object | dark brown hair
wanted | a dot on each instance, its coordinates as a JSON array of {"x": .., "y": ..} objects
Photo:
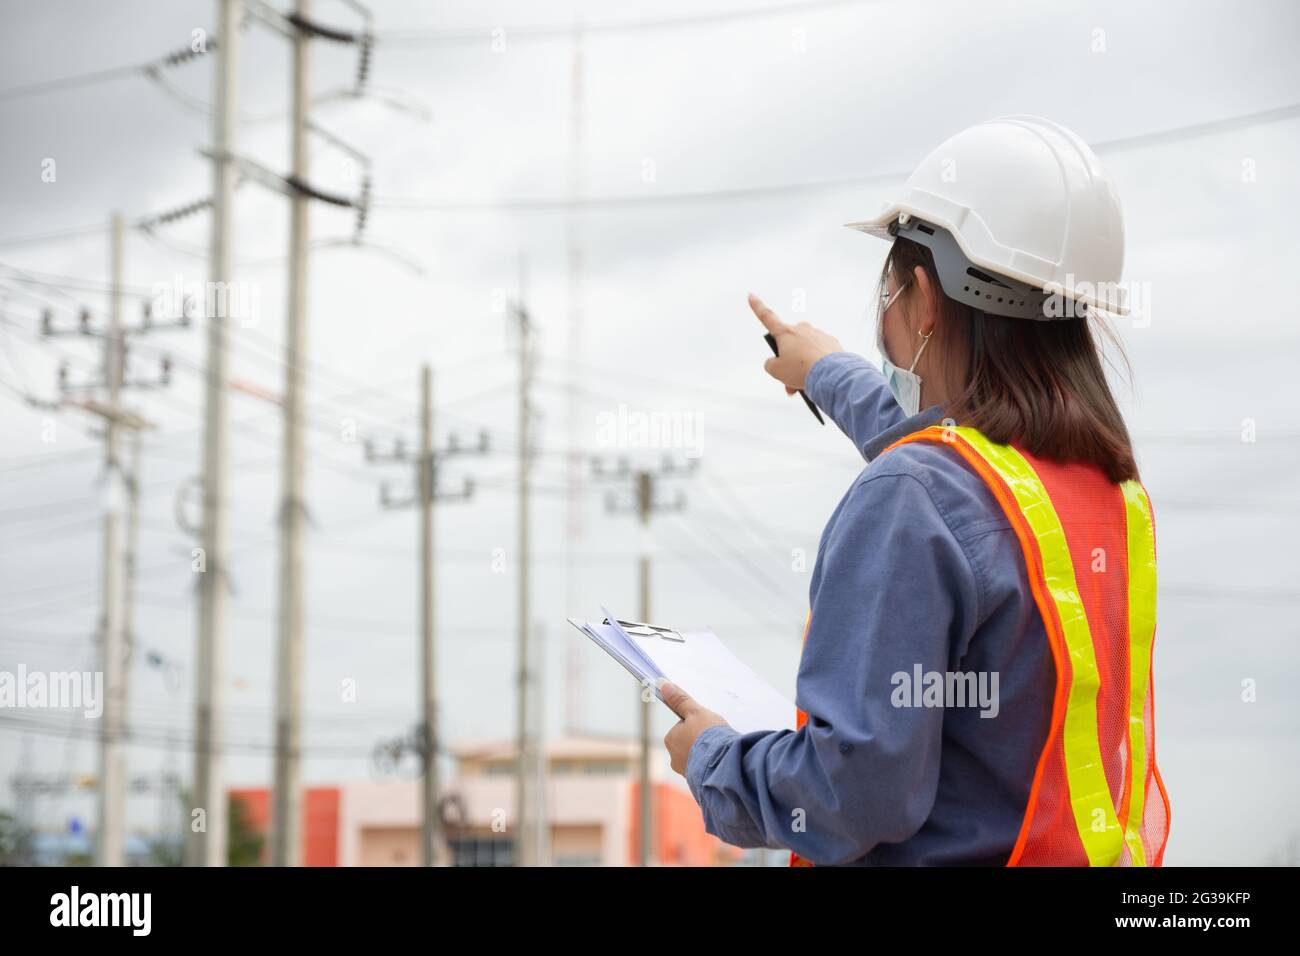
[{"x": 1038, "y": 384}]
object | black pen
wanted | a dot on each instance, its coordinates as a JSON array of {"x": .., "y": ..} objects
[{"x": 771, "y": 341}]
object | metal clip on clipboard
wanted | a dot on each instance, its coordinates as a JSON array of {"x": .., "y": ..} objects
[
  {"x": 696, "y": 661},
  {"x": 649, "y": 630}
]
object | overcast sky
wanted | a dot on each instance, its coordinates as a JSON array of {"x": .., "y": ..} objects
[{"x": 684, "y": 132}]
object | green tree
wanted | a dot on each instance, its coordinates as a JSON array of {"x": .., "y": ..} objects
[
  {"x": 245, "y": 844},
  {"x": 243, "y": 847},
  {"x": 15, "y": 841}
]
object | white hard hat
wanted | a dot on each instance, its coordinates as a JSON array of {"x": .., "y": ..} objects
[{"x": 1024, "y": 199}]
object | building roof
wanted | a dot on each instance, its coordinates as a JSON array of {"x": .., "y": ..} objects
[{"x": 581, "y": 747}]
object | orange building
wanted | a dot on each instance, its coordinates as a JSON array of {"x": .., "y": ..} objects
[
  {"x": 320, "y": 825},
  {"x": 589, "y": 798}
]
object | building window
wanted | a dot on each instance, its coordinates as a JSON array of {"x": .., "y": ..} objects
[{"x": 482, "y": 851}]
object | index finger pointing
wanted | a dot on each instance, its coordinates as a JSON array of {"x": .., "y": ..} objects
[{"x": 771, "y": 321}]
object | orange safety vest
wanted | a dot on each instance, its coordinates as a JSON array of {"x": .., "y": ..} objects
[{"x": 1089, "y": 547}]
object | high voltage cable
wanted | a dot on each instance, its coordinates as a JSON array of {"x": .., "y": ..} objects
[
  {"x": 56, "y": 235},
  {"x": 63, "y": 283},
  {"x": 396, "y": 423},
  {"x": 741, "y": 193},
  {"x": 144, "y": 224},
  {"x": 605, "y": 399},
  {"x": 73, "y": 82},
  {"x": 91, "y": 590},
  {"x": 88, "y": 590},
  {"x": 146, "y": 69},
  {"x": 190, "y": 365},
  {"x": 164, "y": 738},
  {"x": 433, "y": 37},
  {"x": 149, "y": 68}
]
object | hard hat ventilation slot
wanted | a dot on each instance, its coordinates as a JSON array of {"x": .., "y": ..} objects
[
  {"x": 970, "y": 284},
  {"x": 985, "y": 277},
  {"x": 1007, "y": 297}
]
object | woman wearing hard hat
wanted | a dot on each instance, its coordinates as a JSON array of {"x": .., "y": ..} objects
[{"x": 975, "y": 685}]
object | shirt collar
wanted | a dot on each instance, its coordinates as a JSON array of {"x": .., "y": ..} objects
[{"x": 933, "y": 415}]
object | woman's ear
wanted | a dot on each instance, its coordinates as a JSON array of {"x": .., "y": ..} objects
[{"x": 928, "y": 298}]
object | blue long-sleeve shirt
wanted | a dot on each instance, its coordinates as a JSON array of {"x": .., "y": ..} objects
[{"x": 918, "y": 571}]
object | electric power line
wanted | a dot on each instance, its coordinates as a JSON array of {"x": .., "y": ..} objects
[
  {"x": 438, "y": 37},
  {"x": 147, "y": 69},
  {"x": 746, "y": 193}
]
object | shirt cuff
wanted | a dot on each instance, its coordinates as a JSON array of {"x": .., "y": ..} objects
[
  {"x": 827, "y": 373},
  {"x": 705, "y": 753}
]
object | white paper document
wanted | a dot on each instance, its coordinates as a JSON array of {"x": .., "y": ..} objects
[{"x": 697, "y": 662}]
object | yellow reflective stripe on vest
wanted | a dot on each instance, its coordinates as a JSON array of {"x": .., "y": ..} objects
[
  {"x": 1141, "y": 630},
  {"x": 1090, "y": 799}
]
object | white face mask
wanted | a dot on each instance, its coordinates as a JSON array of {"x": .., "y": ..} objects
[{"x": 905, "y": 385}]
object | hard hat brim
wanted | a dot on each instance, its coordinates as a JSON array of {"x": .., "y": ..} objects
[{"x": 879, "y": 227}]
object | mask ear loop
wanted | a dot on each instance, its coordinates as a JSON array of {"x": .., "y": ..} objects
[
  {"x": 880, "y": 315},
  {"x": 925, "y": 340}
]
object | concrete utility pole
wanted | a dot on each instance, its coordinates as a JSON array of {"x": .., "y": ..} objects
[
  {"x": 644, "y": 502},
  {"x": 525, "y": 844},
  {"x": 645, "y": 505},
  {"x": 112, "y": 773},
  {"x": 207, "y": 845},
  {"x": 427, "y": 495},
  {"x": 541, "y": 832},
  {"x": 132, "y": 556},
  {"x": 120, "y": 518},
  {"x": 575, "y": 492},
  {"x": 428, "y": 670},
  {"x": 129, "y": 567},
  {"x": 286, "y": 819}
]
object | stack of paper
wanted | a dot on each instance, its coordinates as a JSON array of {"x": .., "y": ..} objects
[{"x": 697, "y": 662}]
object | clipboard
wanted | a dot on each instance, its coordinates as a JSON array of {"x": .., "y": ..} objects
[{"x": 696, "y": 660}]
